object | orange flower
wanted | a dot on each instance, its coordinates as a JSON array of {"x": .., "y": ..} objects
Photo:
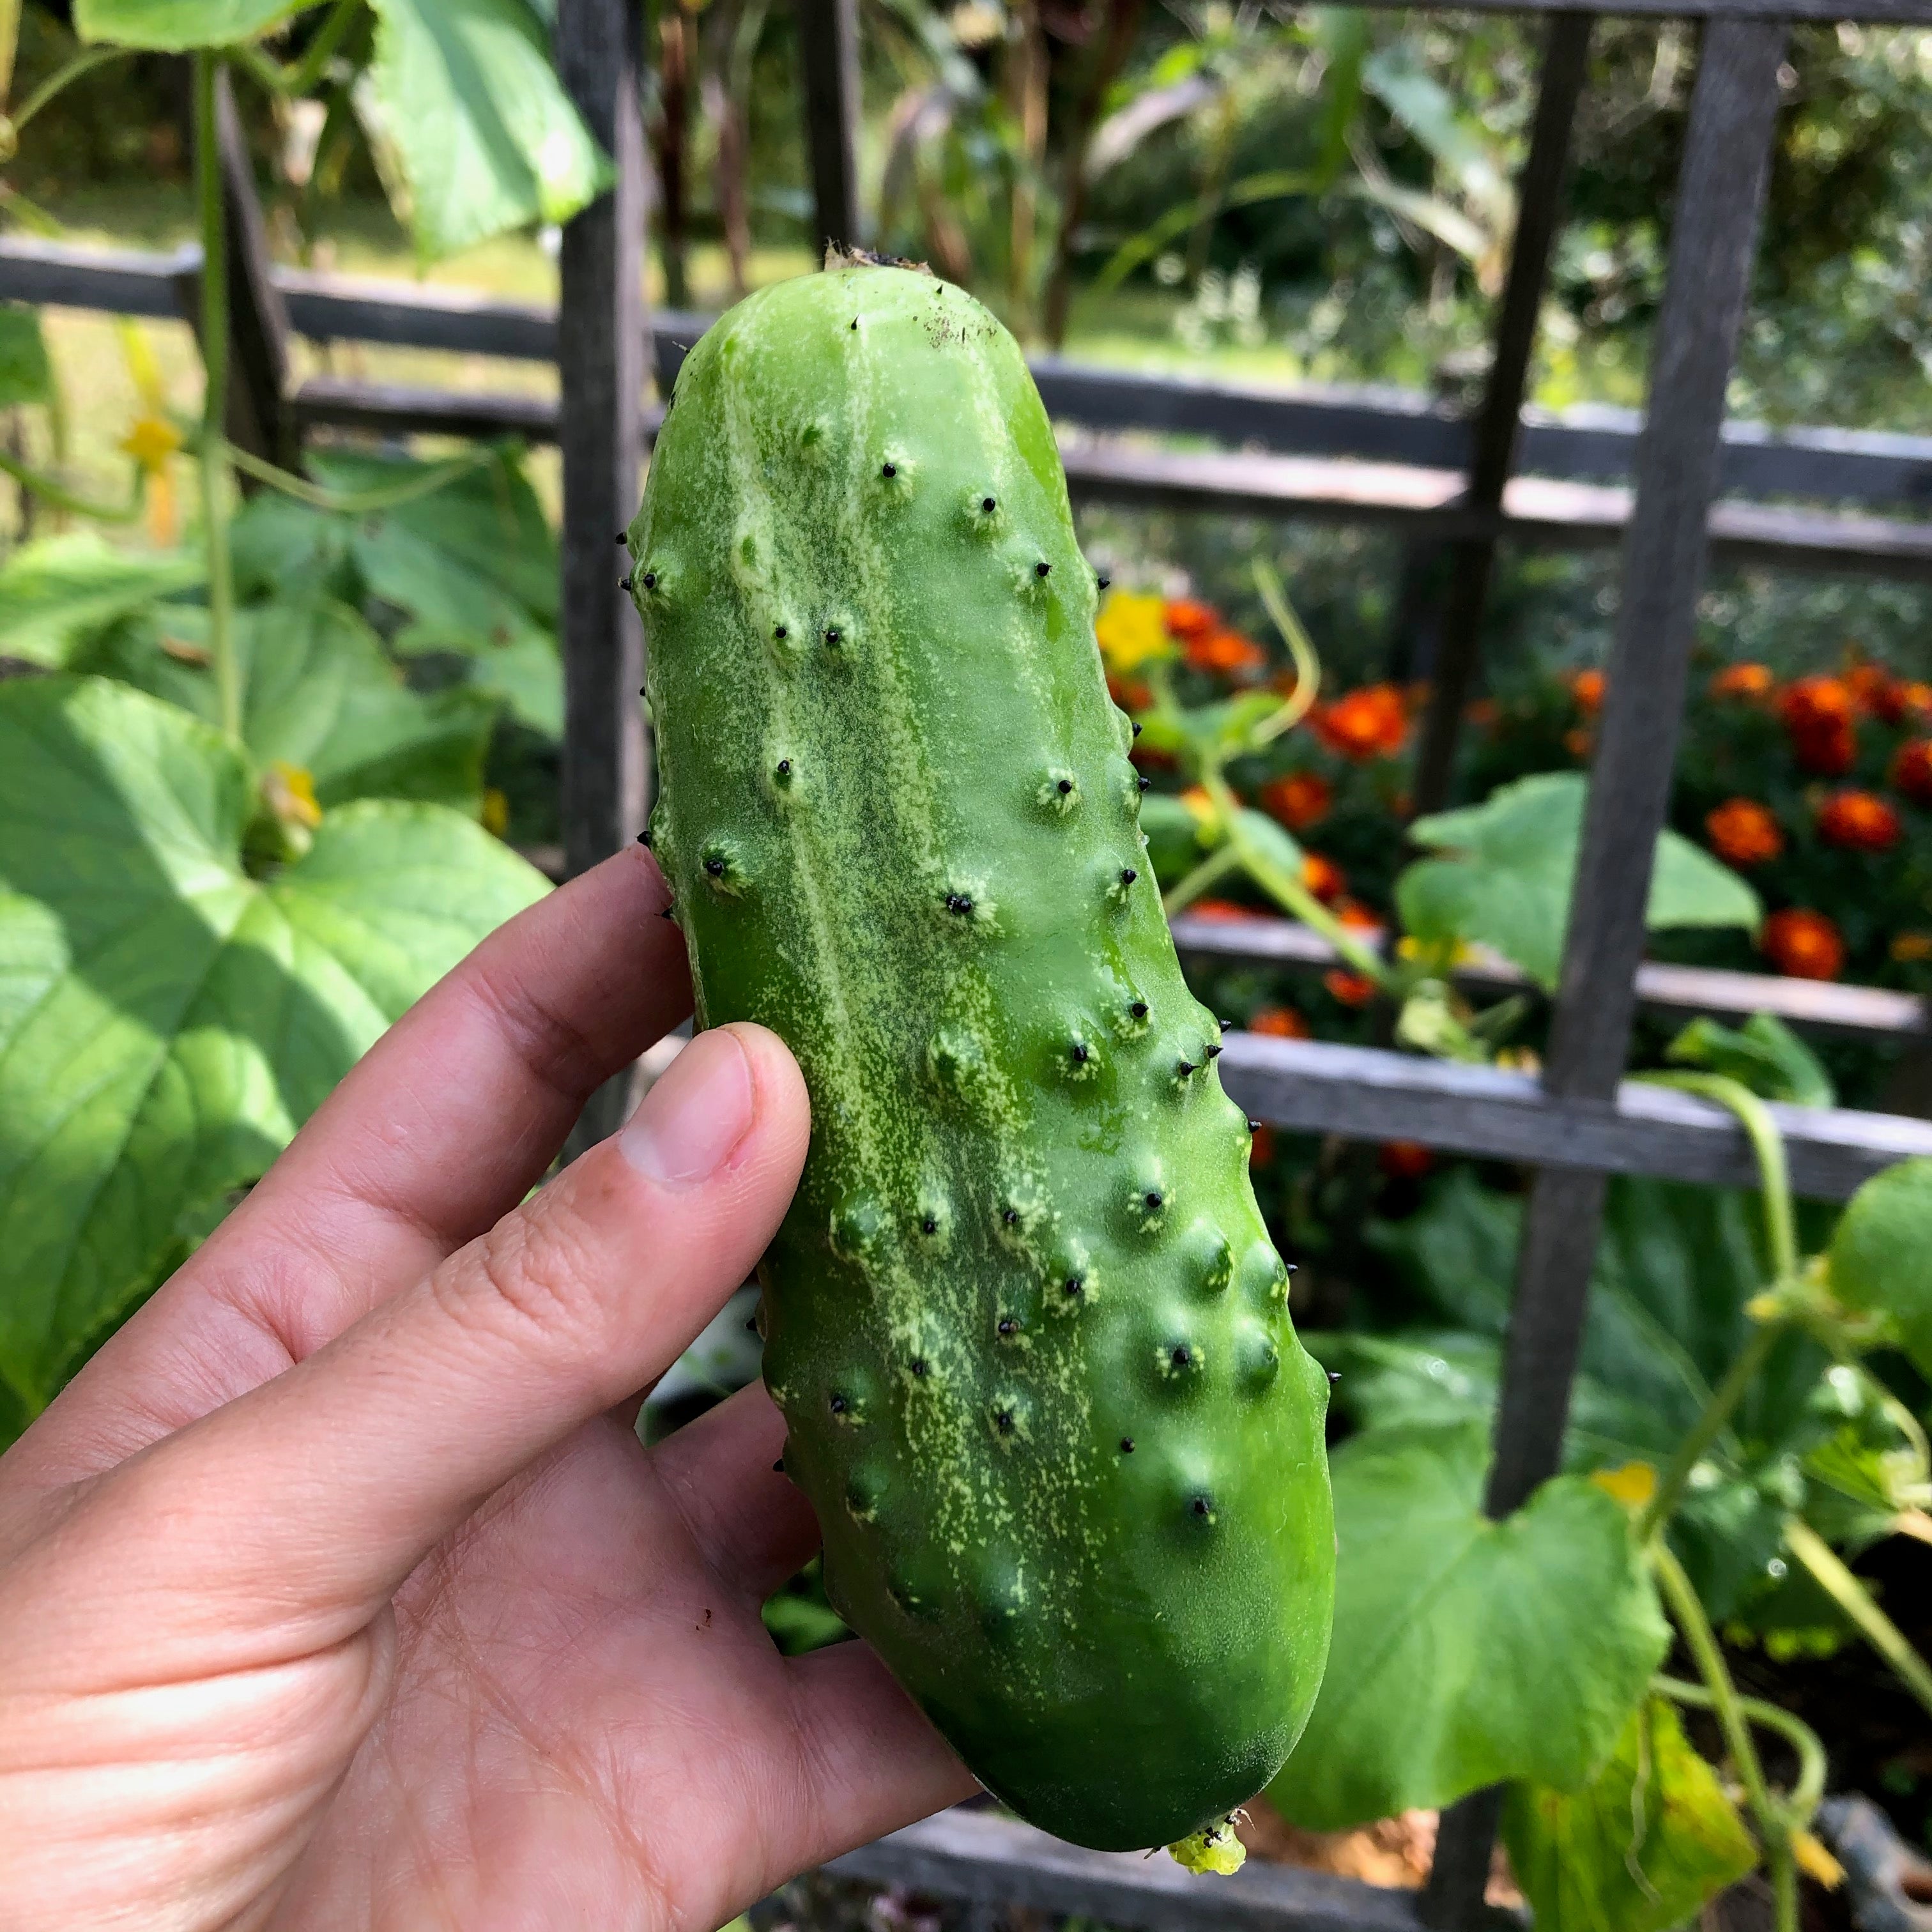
[
  {"x": 1223, "y": 909},
  {"x": 1743, "y": 832},
  {"x": 1225, "y": 652},
  {"x": 1911, "y": 770},
  {"x": 1875, "y": 689},
  {"x": 1188, "y": 620},
  {"x": 1299, "y": 800},
  {"x": 1803, "y": 945},
  {"x": 1323, "y": 878},
  {"x": 1819, "y": 715},
  {"x": 1405, "y": 1160},
  {"x": 1577, "y": 742},
  {"x": 1371, "y": 723},
  {"x": 1586, "y": 687},
  {"x": 1918, "y": 701},
  {"x": 1278, "y": 1023},
  {"x": 1130, "y": 694},
  {"x": 1353, "y": 913},
  {"x": 1352, "y": 989},
  {"x": 1743, "y": 680},
  {"x": 1261, "y": 1147},
  {"x": 1861, "y": 821}
]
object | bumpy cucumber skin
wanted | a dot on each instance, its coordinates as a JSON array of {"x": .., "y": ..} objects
[{"x": 899, "y": 818}]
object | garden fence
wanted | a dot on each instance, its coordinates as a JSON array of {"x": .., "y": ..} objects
[{"x": 1672, "y": 491}]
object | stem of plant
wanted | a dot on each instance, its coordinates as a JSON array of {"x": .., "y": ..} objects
[
  {"x": 1852, "y": 1596},
  {"x": 1724, "y": 1399},
  {"x": 1773, "y": 1824},
  {"x": 215, "y": 476},
  {"x": 1210, "y": 871},
  {"x": 1802, "y": 1800}
]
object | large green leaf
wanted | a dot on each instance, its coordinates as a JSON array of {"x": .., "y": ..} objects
[
  {"x": 317, "y": 693},
  {"x": 55, "y": 593},
  {"x": 175, "y": 26},
  {"x": 1881, "y": 1257},
  {"x": 1676, "y": 1266},
  {"x": 167, "y": 1021},
  {"x": 1467, "y": 1650},
  {"x": 1764, "y": 1053},
  {"x": 1641, "y": 1848},
  {"x": 1506, "y": 879},
  {"x": 25, "y": 374},
  {"x": 486, "y": 138}
]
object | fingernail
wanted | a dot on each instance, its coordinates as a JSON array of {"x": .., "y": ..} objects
[{"x": 701, "y": 1108}]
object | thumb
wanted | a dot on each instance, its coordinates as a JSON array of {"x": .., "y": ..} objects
[{"x": 321, "y": 1490}]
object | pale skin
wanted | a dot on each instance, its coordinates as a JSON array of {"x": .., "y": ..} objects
[{"x": 337, "y": 1591}]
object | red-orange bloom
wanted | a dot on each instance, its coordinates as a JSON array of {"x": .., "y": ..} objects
[
  {"x": 1299, "y": 800},
  {"x": 1744, "y": 832},
  {"x": 1188, "y": 620},
  {"x": 1875, "y": 689},
  {"x": 1911, "y": 770},
  {"x": 1371, "y": 723},
  {"x": 1352, "y": 989},
  {"x": 1586, "y": 687},
  {"x": 1278, "y": 1023},
  {"x": 1743, "y": 680},
  {"x": 1353, "y": 913},
  {"x": 1261, "y": 1147},
  {"x": 1130, "y": 694},
  {"x": 1803, "y": 945},
  {"x": 1917, "y": 700},
  {"x": 1817, "y": 704},
  {"x": 1217, "y": 909},
  {"x": 1225, "y": 652},
  {"x": 1323, "y": 878},
  {"x": 1861, "y": 821},
  {"x": 1405, "y": 1160}
]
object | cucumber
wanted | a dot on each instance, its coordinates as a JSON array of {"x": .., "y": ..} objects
[{"x": 1024, "y": 1321}]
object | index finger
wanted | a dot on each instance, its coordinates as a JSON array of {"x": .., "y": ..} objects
[{"x": 436, "y": 1133}]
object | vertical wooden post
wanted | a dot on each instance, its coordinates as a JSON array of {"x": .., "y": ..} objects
[
  {"x": 828, "y": 36},
  {"x": 1713, "y": 240},
  {"x": 602, "y": 330},
  {"x": 1539, "y": 198}
]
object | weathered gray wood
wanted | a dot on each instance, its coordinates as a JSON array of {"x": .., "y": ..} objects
[
  {"x": 1818, "y": 1006},
  {"x": 1593, "y": 441},
  {"x": 1365, "y": 1094},
  {"x": 1714, "y": 236},
  {"x": 601, "y": 334},
  {"x": 399, "y": 409},
  {"x": 828, "y": 38},
  {"x": 984, "y": 1859},
  {"x": 1540, "y": 200}
]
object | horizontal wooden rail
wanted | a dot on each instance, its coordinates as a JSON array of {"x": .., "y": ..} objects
[
  {"x": 1816, "y": 1005},
  {"x": 1372, "y": 424},
  {"x": 987, "y": 1860},
  {"x": 1364, "y": 1093}
]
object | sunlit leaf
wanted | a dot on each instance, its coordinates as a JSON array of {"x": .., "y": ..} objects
[
  {"x": 25, "y": 374},
  {"x": 1467, "y": 1650},
  {"x": 1764, "y": 1055},
  {"x": 56, "y": 592},
  {"x": 178, "y": 26},
  {"x": 1881, "y": 1257}
]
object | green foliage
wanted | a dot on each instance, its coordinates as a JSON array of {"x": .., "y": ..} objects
[
  {"x": 167, "y": 1020},
  {"x": 178, "y": 26},
  {"x": 1881, "y": 1256},
  {"x": 25, "y": 375},
  {"x": 1467, "y": 1650},
  {"x": 1764, "y": 1055},
  {"x": 1506, "y": 879},
  {"x": 58, "y": 591},
  {"x": 483, "y": 135},
  {"x": 1641, "y": 1848},
  {"x": 317, "y": 694}
]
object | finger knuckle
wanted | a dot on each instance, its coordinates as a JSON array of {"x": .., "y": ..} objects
[{"x": 531, "y": 1276}]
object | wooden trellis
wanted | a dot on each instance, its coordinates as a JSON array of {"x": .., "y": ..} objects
[{"x": 1671, "y": 492}]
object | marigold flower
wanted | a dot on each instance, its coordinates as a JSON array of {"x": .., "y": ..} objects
[
  {"x": 1878, "y": 691},
  {"x": 1586, "y": 687},
  {"x": 1918, "y": 697},
  {"x": 1744, "y": 832},
  {"x": 1829, "y": 753},
  {"x": 1278, "y": 1023},
  {"x": 1405, "y": 1160},
  {"x": 1323, "y": 878},
  {"x": 1353, "y": 913},
  {"x": 1577, "y": 742},
  {"x": 1223, "y": 910},
  {"x": 1299, "y": 800},
  {"x": 1743, "y": 680},
  {"x": 1188, "y": 620},
  {"x": 1861, "y": 821},
  {"x": 1129, "y": 693},
  {"x": 1816, "y": 704},
  {"x": 1371, "y": 723},
  {"x": 1261, "y": 1147},
  {"x": 1132, "y": 631},
  {"x": 1911, "y": 770},
  {"x": 1225, "y": 652},
  {"x": 1352, "y": 989},
  {"x": 1803, "y": 944}
]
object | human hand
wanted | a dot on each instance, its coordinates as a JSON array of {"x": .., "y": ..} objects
[{"x": 338, "y": 1589}]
